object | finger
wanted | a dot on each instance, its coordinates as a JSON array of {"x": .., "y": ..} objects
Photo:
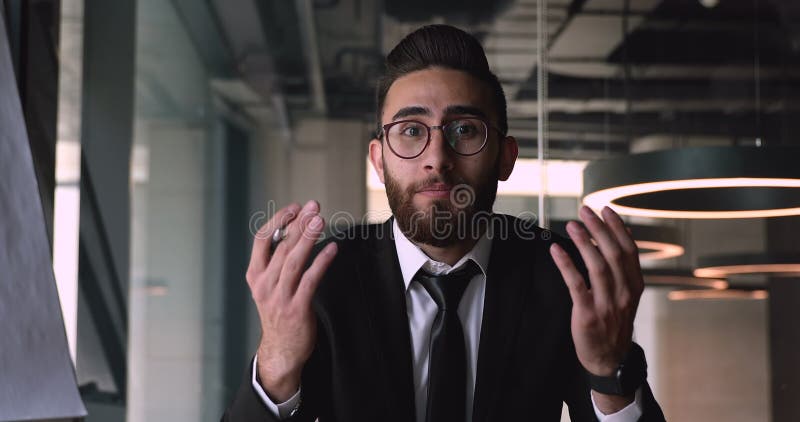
[
  {"x": 618, "y": 229},
  {"x": 572, "y": 277},
  {"x": 599, "y": 272},
  {"x": 298, "y": 256},
  {"x": 315, "y": 273},
  {"x": 293, "y": 233},
  {"x": 259, "y": 257},
  {"x": 612, "y": 251},
  {"x": 628, "y": 245}
]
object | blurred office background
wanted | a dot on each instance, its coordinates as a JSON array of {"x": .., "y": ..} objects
[{"x": 165, "y": 131}]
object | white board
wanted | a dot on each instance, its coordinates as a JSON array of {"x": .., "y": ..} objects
[{"x": 37, "y": 379}]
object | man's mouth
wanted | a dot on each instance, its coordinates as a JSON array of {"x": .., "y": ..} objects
[{"x": 436, "y": 190}]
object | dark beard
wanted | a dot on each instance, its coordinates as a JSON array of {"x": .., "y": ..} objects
[{"x": 463, "y": 215}]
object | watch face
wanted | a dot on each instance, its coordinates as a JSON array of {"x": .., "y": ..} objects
[
  {"x": 633, "y": 372},
  {"x": 630, "y": 375}
]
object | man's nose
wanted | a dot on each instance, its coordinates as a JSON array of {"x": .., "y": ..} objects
[{"x": 438, "y": 156}]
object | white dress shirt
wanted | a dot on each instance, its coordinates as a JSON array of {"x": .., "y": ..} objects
[{"x": 421, "y": 311}]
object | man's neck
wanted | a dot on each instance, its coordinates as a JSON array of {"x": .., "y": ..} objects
[
  {"x": 451, "y": 254},
  {"x": 448, "y": 254}
]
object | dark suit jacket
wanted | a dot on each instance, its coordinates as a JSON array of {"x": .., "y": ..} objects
[{"x": 361, "y": 368}]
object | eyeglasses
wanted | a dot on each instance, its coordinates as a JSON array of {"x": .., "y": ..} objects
[{"x": 409, "y": 138}]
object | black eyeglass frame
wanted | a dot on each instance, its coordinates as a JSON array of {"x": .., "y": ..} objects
[{"x": 385, "y": 135}]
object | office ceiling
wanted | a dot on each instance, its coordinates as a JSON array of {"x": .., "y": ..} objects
[{"x": 678, "y": 70}]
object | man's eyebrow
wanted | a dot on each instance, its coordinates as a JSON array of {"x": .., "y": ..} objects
[
  {"x": 450, "y": 110},
  {"x": 465, "y": 109},
  {"x": 411, "y": 111}
]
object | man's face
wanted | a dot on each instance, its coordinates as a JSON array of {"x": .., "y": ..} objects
[{"x": 436, "y": 195}]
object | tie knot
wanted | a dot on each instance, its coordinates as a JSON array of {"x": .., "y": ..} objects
[{"x": 447, "y": 289}]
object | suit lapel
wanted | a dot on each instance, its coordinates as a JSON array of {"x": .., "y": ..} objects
[
  {"x": 507, "y": 285},
  {"x": 382, "y": 283}
]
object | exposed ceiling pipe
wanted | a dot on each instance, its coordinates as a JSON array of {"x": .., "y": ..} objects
[
  {"x": 254, "y": 64},
  {"x": 308, "y": 32}
]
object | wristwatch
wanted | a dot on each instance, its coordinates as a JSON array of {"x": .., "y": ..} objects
[{"x": 629, "y": 376}]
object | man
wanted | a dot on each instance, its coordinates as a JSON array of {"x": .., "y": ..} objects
[{"x": 446, "y": 312}]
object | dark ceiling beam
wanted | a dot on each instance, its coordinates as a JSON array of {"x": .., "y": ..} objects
[
  {"x": 561, "y": 87},
  {"x": 205, "y": 32},
  {"x": 575, "y": 7},
  {"x": 560, "y": 148},
  {"x": 735, "y": 126}
]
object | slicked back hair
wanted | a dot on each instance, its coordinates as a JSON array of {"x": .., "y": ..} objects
[{"x": 442, "y": 46}]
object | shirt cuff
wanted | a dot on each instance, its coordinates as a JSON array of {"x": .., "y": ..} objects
[
  {"x": 629, "y": 413},
  {"x": 281, "y": 410}
]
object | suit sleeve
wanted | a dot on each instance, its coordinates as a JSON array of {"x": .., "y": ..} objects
[
  {"x": 247, "y": 405},
  {"x": 578, "y": 398},
  {"x": 283, "y": 410}
]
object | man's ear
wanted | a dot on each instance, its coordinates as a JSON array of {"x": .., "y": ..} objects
[
  {"x": 509, "y": 149},
  {"x": 376, "y": 157}
]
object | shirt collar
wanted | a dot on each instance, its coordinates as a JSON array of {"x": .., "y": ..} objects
[{"x": 412, "y": 258}]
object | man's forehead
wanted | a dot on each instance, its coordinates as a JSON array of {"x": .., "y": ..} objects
[
  {"x": 437, "y": 91},
  {"x": 448, "y": 110}
]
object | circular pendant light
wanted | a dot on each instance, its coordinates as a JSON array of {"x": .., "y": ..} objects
[
  {"x": 654, "y": 242},
  {"x": 681, "y": 278},
  {"x": 705, "y": 182},
  {"x": 757, "y": 294},
  {"x": 690, "y": 287},
  {"x": 775, "y": 265}
]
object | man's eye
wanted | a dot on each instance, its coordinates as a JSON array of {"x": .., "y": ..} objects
[
  {"x": 412, "y": 131},
  {"x": 464, "y": 129}
]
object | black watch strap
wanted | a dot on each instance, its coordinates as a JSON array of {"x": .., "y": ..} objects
[{"x": 629, "y": 376}]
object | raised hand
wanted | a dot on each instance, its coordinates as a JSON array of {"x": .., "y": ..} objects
[
  {"x": 282, "y": 293},
  {"x": 602, "y": 315}
]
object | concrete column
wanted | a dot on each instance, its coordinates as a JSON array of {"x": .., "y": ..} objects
[{"x": 784, "y": 312}]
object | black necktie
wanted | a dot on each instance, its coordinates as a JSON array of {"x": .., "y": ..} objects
[{"x": 447, "y": 372}]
